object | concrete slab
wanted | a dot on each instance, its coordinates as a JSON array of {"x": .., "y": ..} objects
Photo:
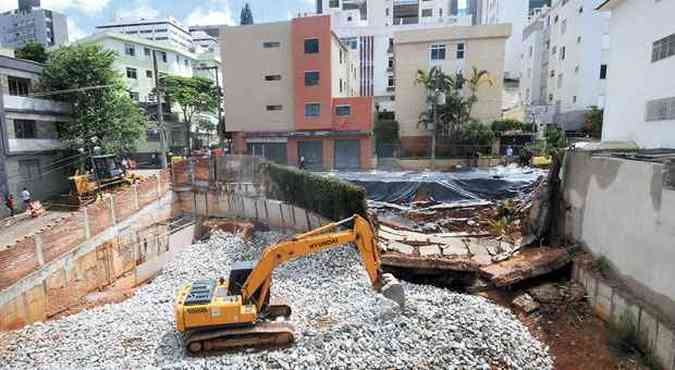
[
  {"x": 526, "y": 303},
  {"x": 527, "y": 264},
  {"x": 400, "y": 248},
  {"x": 430, "y": 250},
  {"x": 455, "y": 247}
]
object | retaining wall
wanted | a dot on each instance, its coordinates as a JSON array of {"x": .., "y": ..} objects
[
  {"x": 124, "y": 236},
  {"x": 614, "y": 304}
]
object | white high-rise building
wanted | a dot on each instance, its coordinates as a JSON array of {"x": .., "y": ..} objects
[
  {"x": 368, "y": 27},
  {"x": 514, "y": 12},
  {"x": 564, "y": 64},
  {"x": 167, "y": 30},
  {"x": 641, "y": 87},
  {"x": 30, "y": 22}
]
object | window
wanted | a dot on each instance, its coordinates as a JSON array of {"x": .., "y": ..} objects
[
  {"x": 311, "y": 46},
  {"x": 661, "y": 109},
  {"x": 391, "y": 63},
  {"x": 148, "y": 74},
  {"x": 438, "y": 52},
  {"x": 271, "y": 44},
  {"x": 386, "y": 12},
  {"x": 663, "y": 48},
  {"x": 334, "y": 3},
  {"x": 164, "y": 57},
  {"x": 427, "y": 12},
  {"x": 560, "y": 80},
  {"x": 581, "y": 9},
  {"x": 343, "y": 110},
  {"x": 273, "y": 78},
  {"x": 178, "y": 59},
  {"x": 341, "y": 56},
  {"x": 391, "y": 82},
  {"x": 563, "y": 27},
  {"x": 311, "y": 78},
  {"x": 131, "y": 73},
  {"x": 25, "y": 129},
  {"x": 341, "y": 87},
  {"x": 550, "y": 98},
  {"x": 18, "y": 86},
  {"x": 574, "y": 99},
  {"x": 312, "y": 110},
  {"x": 129, "y": 49},
  {"x": 552, "y": 73},
  {"x": 29, "y": 169},
  {"x": 274, "y": 107},
  {"x": 460, "y": 50},
  {"x": 554, "y": 50},
  {"x": 603, "y": 72},
  {"x": 146, "y": 52},
  {"x": 563, "y": 51},
  {"x": 134, "y": 96},
  {"x": 576, "y": 69},
  {"x": 440, "y": 12},
  {"x": 186, "y": 62},
  {"x": 531, "y": 51},
  {"x": 578, "y": 39}
]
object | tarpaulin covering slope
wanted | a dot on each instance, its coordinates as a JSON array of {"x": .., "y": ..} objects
[{"x": 463, "y": 185}]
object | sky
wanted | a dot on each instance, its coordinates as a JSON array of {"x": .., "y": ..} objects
[{"x": 85, "y": 15}]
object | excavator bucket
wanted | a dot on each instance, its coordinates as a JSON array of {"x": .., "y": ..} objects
[{"x": 393, "y": 290}]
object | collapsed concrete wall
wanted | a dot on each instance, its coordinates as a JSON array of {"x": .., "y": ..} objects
[
  {"x": 620, "y": 209},
  {"x": 122, "y": 236}
]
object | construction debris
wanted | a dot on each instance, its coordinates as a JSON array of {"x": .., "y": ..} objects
[
  {"x": 245, "y": 229},
  {"x": 348, "y": 328},
  {"x": 526, "y": 265},
  {"x": 525, "y": 303}
]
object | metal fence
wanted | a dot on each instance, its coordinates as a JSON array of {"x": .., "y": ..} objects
[{"x": 447, "y": 151}]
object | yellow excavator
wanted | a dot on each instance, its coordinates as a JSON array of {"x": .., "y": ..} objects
[{"x": 236, "y": 312}]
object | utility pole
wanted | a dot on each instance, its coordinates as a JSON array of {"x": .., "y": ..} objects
[{"x": 160, "y": 113}]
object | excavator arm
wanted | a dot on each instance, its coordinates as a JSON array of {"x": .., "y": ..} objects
[{"x": 257, "y": 287}]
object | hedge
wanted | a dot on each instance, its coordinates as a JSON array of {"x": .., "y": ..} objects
[{"x": 332, "y": 198}]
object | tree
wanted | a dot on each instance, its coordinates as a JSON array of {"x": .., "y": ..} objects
[
  {"x": 103, "y": 113},
  {"x": 448, "y": 107},
  {"x": 32, "y": 51},
  {"x": 477, "y": 133},
  {"x": 192, "y": 94},
  {"x": 246, "y": 15},
  {"x": 594, "y": 118}
]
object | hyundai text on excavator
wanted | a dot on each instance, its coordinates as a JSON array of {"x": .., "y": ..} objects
[{"x": 236, "y": 312}]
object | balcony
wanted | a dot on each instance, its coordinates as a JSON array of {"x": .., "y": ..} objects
[
  {"x": 33, "y": 145},
  {"x": 34, "y": 105}
]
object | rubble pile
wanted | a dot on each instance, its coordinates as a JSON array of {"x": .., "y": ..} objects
[{"x": 340, "y": 323}]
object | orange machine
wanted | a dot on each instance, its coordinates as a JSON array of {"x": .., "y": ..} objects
[{"x": 236, "y": 312}]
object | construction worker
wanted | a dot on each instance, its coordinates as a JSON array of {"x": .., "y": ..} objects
[
  {"x": 25, "y": 196},
  {"x": 9, "y": 203}
]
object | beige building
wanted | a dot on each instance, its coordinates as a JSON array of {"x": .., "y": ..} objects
[{"x": 455, "y": 50}]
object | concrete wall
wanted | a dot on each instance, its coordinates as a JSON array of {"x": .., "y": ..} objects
[
  {"x": 621, "y": 209},
  {"x": 125, "y": 236},
  {"x": 615, "y": 305}
]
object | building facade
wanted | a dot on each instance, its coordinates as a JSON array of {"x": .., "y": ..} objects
[
  {"x": 164, "y": 30},
  {"x": 29, "y": 22},
  {"x": 31, "y": 154},
  {"x": 291, "y": 92},
  {"x": 643, "y": 48},
  {"x": 454, "y": 50},
  {"x": 368, "y": 28},
  {"x": 565, "y": 63},
  {"x": 136, "y": 64},
  {"x": 514, "y": 12}
]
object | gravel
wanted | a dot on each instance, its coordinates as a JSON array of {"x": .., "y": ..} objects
[{"x": 340, "y": 323}]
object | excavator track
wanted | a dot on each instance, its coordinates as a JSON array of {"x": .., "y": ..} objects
[{"x": 260, "y": 335}]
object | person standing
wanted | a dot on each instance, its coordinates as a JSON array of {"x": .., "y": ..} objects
[
  {"x": 25, "y": 197},
  {"x": 302, "y": 163},
  {"x": 9, "y": 203}
]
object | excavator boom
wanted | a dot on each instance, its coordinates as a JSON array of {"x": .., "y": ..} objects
[{"x": 236, "y": 312}]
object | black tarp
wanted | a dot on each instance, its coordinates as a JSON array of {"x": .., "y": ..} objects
[{"x": 493, "y": 184}]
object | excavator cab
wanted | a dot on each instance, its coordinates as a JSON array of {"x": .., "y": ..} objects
[{"x": 232, "y": 313}]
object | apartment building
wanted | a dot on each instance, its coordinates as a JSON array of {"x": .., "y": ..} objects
[
  {"x": 31, "y": 154},
  {"x": 641, "y": 90},
  {"x": 565, "y": 63},
  {"x": 135, "y": 62},
  {"x": 29, "y": 22},
  {"x": 166, "y": 30},
  {"x": 368, "y": 28},
  {"x": 514, "y": 12},
  {"x": 454, "y": 50},
  {"x": 292, "y": 91}
]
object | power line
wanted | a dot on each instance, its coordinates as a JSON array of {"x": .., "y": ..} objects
[{"x": 60, "y": 92}]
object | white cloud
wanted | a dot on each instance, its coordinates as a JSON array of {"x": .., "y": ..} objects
[
  {"x": 217, "y": 13},
  {"x": 85, "y": 6},
  {"x": 139, "y": 9},
  {"x": 74, "y": 31}
]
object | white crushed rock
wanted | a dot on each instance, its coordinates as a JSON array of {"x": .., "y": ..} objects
[{"x": 340, "y": 323}]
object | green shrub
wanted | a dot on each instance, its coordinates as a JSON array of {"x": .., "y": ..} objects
[
  {"x": 602, "y": 265},
  {"x": 499, "y": 127},
  {"x": 329, "y": 197}
]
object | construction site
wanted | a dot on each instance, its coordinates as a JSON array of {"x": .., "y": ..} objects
[{"x": 467, "y": 269}]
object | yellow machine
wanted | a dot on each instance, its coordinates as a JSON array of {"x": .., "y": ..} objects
[{"x": 224, "y": 314}]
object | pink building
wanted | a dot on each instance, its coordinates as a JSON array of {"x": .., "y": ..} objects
[{"x": 291, "y": 91}]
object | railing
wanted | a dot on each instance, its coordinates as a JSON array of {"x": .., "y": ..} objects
[{"x": 24, "y": 103}]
